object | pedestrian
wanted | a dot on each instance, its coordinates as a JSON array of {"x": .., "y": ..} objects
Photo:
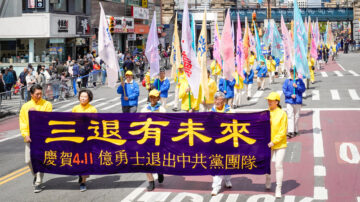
[
  {"x": 85, "y": 97},
  {"x": 9, "y": 82},
  {"x": 95, "y": 71},
  {"x": 47, "y": 74},
  {"x": 141, "y": 68},
  {"x": 319, "y": 58},
  {"x": 103, "y": 72},
  {"x": 311, "y": 64},
  {"x": 64, "y": 88},
  {"x": 208, "y": 103},
  {"x": 248, "y": 81},
  {"x": 129, "y": 91},
  {"x": 239, "y": 85},
  {"x": 75, "y": 73},
  {"x": 227, "y": 87},
  {"x": 271, "y": 67},
  {"x": 261, "y": 75},
  {"x": 162, "y": 84},
  {"x": 35, "y": 104},
  {"x": 23, "y": 90},
  {"x": 278, "y": 143},
  {"x": 55, "y": 83},
  {"x": 40, "y": 78},
  {"x": 128, "y": 64},
  {"x": 220, "y": 107},
  {"x": 293, "y": 90},
  {"x": 180, "y": 77},
  {"x": 30, "y": 81},
  {"x": 154, "y": 106},
  {"x": 2, "y": 86},
  {"x": 11, "y": 69},
  {"x": 252, "y": 60}
]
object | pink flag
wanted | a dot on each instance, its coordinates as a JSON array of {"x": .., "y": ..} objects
[
  {"x": 152, "y": 52},
  {"x": 287, "y": 45},
  {"x": 227, "y": 49},
  {"x": 252, "y": 42},
  {"x": 191, "y": 64},
  {"x": 240, "y": 57},
  {"x": 216, "y": 51}
]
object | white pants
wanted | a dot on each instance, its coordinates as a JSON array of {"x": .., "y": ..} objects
[
  {"x": 237, "y": 97},
  {"x": 272, "y": 77},
  {"x": 278, "y": 155},
  {"x": 163, "y": 101},
  {"x": 176, "y": 100},
  {"x": 261, "y": 82},
  {"x": 293, "y": 112},
  {"x": 248, "y": 89},
  {"x": 217, "y": 180},
  {"x": 39, "y": 176}
]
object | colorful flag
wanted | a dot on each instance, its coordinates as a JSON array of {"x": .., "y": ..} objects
[
  {"x": 191, "y": 65},
  {"x": 201, "y": 56},
  {"x": 252, "y": 41},
  {"x": 276, "y": 43},
  {"x": 240, "y": 57},
  {"x": 260, "y": 56},
  {"x": 266, "y": 37},
  {"x": 216, "y": 51},
  {"x": 193, "y": 32},
  {"x": 227, "y": 49},
  {"x": 175, "y": 58},
  {"x": 300, "y": 43},
  {"x": 107, "y": 51},
  {"x": 288, "y": 45},
  {"x": 246, "y": 45},
  {"x": 152, "y": 52}
]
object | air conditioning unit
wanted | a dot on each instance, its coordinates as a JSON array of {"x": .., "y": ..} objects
[{"x": 54, "y": 1}]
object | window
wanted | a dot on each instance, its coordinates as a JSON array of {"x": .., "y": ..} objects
[
  {"x": 61, "y": 6},
  {"x": 79, "y": 6}
]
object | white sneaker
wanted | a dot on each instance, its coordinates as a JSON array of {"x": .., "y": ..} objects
[
  {"x": 278, "y": 192},
  {"x": 215, "y": 191},
  {"x": 268, "y": 182},
  {"x": 228, "y": 184}
]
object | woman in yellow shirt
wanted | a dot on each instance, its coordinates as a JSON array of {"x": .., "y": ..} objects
[
  {"x": 85, "y": 97},
  {"x": 278, "y": 144},
  {"x": 271, "y": 65}
]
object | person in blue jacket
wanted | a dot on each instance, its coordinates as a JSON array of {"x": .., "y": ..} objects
[
  {"x": 162, "y": 84},
  {"x": 293, "y": 91},
  {"x": 227, "y": 87},
  {"x": 261, "y": 75},
  {"x": 129, "y": 100},
  {"x": 248, "y": 81}
]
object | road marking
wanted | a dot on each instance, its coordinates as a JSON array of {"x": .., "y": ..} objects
[
  {"x": 111, "y": 106},
  {"x": 154, "y": 196},
  {"x": 315, "y": 95},
  {"x": 13, "y": 177},
  {"x": 13, "y": 173},
  {"x": 289, "y": 199},
  {"x": 69, "y": 104},
  {"x": 9, "y": 138},
  {"x": 341, "y": 66},
  {"x": 317, "y": 134},
  {"x": 256, "y": 96},
  {"x": 346, "y": 148},
  {"x": 324, "y": 74},
  {"x": 181, "y": 196},
  {"x": 354, "y": 73},
  {"x": 131, "y": 197},
  {"x": 358, "y": 199},
  {"x": 216, "y": 198},
  {"x": 232, "y": 197},
  {"x": 338, "y": 73},
  {"x": 353, "y": 94},
  {"x": 320, "y": 171},
  {"x": 320, "y": 193},
  {"x": 335, "y": 94}
]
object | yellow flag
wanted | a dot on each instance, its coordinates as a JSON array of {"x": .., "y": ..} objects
[
  {"x": 201, "y": 57},
  {"x": 175, "y": 57},
  {"x": 246, "y": 44}
]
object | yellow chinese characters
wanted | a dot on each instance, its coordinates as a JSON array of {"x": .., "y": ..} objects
[
  {"x": 191, "y": 132},
  {"x": 67, "y": 138},
  {"x": 216, "y": 161},
  {"x": 235, "y": 133},
  {"x": 121, "y": 157},
  {"x": 110, "y": 129},
  {"x": 105, "y": 158},
  {"x": 149, "y": 133},
  {"x": 66, "y": 158},
  {"x": 50, "y": 157}
]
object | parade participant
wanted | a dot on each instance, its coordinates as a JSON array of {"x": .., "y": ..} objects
[
  {"x": 261, "y": 75},
  {"x": 85, "y": 97},
  {"x": 154, "y": 106},
  {"x": 216, "y": 70},
  {"x": 129, "y": 91},
  {"x": 188, "y": 102},
  {"x": 248, "y": 81},
  {"x": 35, "y": 104},
  {"x": 278, "y": 143},
  {"x": 311, "y": 64},
  {"x": 220, "y": 107},
  {"x": 293, "y": 98},
  {"x": 239, "y": 85},
  {"x": 271, "y": 66},
  {"x": 208, "y": 103},
  {"x": 227, "y": 87},
  {"x": 252, "y": 60},
  {"x": 180, "y": 77},
  {"x": 162, "y": 84}
]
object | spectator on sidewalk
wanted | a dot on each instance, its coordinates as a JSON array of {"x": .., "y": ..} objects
[
  {"x": 30, "y": 81},
  {"x": 23, "y": 90}
]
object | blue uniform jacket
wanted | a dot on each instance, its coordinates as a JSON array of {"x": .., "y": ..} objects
[
  {"x": 162, "y": 86},
  {"x": 132, "y": 92},
  {"x": 288, "y": 90},
  {"x": 262, "y": 70},
  {"x": 249, "y": 79},
  {"x": 229, "y": 87}
]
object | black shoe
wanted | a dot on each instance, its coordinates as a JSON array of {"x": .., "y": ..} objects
[
  {"x": 160, "y": 178},
  {"x": 248, "y": 98},
  {"x": 83, "y": 187},
  {"x": 37, "y": 189},
  {"x": 34, "y": 181},
  {"x": 289, "y": 135},
  {"x": 235, "y": 107},
  {"x": 258, "y": 88},
  {"x": 175, "y": 109},
  {"x": 296, "y": 134},
  {"x": 151, "y": 186},
  {"x": 80, "y": 179}
]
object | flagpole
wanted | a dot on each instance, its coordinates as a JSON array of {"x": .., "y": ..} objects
[{"x": 189, "y": 100}]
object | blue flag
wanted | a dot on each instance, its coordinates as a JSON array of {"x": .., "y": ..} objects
[
  {"x": 276, "y": 49},
  {"x": 259, "y": 55},
  {"x": 193, "y": 33},
  {"x": 300, "y": 43}
]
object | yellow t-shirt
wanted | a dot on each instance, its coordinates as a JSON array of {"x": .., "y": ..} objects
[
  {"x": 212, "y": 90},
  {"x": 279, "y": 123},
  {"x": 84, "y": 109}
]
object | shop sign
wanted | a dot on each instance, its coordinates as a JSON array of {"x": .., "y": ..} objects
[
  {"x": 63, "y": 25},
  {"x": 36, "y": 4},
  {"x": 131, "y": 37},
  {"x": 140, "y": 13},
  {"x": 55, "y": 50},
  {"x": 144, "y": 3},
  {"x": 141, "y": 29},
  {"x": 82, "y": 25},
  {"x": 123, "y": 24}
]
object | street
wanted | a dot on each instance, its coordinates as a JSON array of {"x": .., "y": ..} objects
[{"x": 321, "y": 164}]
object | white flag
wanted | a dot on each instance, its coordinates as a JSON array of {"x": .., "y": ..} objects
[
  {"x": 152, "y": 52},
  {"x": 107, "y": 51},
  {"x": 191, "y": 64}
]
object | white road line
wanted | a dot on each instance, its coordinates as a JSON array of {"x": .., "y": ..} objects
[
  {"x": 256, "y": 96},
  {"x": 315, "y": 95},
  {"x": 64, "y": 106},
  {"x": 353, "y": 73},
  {"x": 289, "y": 199},
  {"x": 216, "y": 198},
  {"x": 154, "y": 196},
  {"x": 320, "y": 171},
  {"x": 358, "y": 199},
  {"x": 338, "y": 73},
  {"x": 318, "y": 139},
  {"x": 353, "y": 94},
  {"x": 341, "y": 66},
  {"x": 335, "y": 94},
  {"x": 324, "y": 74},
  {"x": 181, "y": 196},
  {"x": 101, "y": 104},
  {"x": 74, "y": 103},
  {"x": 56, "y": 103},
  {"x": 9, "y": 138},
  {"x": 111, "y": 106},
  {"x": 131, "y": 197},
  {"x": 320, "y": 193},
  {"x": 232, "y": 197}
]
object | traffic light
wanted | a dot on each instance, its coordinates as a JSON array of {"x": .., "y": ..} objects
[{"x": 111, "y": 24}]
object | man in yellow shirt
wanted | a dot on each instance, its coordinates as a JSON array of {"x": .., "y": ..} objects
[
  {"x": 271, "y": 65},
  {"x": 180, "y": 77},
  {"x": 239, "y": 85},
  {"x": 252, "y": 60},
  {"x": 188, "y": 101},
  {"x": 209, "y": 101},
  {"x": 216, "y": 70},
  {"x": 35, "y": 104}
]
